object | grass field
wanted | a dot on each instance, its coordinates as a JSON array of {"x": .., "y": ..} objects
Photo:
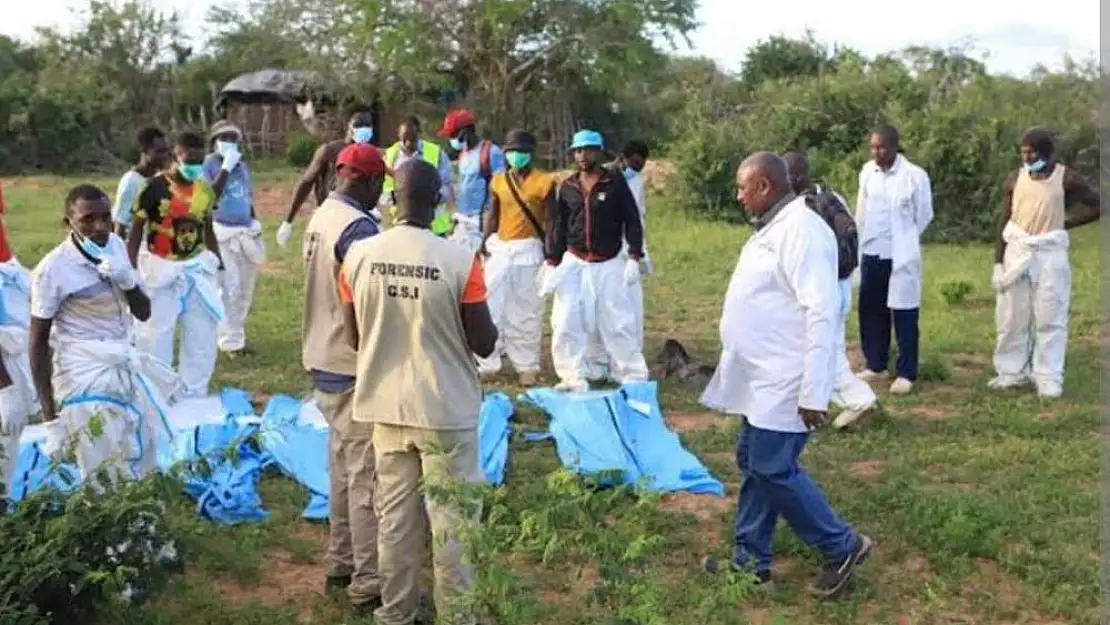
[{"x": 983, "y": 505}]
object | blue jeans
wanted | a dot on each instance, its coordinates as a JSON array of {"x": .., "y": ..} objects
[
  {"x": 875, "y": 319},
  {"x": 775, "y": 485}
]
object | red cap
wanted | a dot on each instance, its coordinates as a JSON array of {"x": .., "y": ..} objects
[
  {"x": 360, "y": 159},
  {"x": 455, "y": 121}
]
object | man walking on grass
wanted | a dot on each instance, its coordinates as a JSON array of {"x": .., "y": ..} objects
[
  {"x": 778, "y": 335},
  {"x": 852, "y": 394},
  {"x": 329, "y": 343},
  {"x": 154, "y": 156},
  {"x": 173, "y": 245},
  {"x": 419, "y": 304},
  {"x": 239, "y": 235}
]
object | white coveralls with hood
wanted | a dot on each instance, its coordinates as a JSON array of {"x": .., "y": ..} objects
[
  {"x": 1033, "y": 284},
  {"x": 18, "y": 401},
  {"x": 181, "y": 276},
  {"x": 112, "y": 399},
  {"x": 597, "y": 363},
  {"x": 589, "y": 278},
  {"x": 239, "y": 234}
]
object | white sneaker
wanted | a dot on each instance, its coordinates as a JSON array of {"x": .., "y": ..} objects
[
  {"x": 901, "y": 386},
  {"x": 1003, "y": 382},
  {"x": 848, "y": 416},
  {"x": 1049, "y": 390},
  {"x": 868, "y": 375}
]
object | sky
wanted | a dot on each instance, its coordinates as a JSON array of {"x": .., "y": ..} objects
[{"x": 1011, "y": 36}]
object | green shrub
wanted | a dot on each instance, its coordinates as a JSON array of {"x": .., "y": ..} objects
[
  {"x": 299, "y": 149},
  {"x": 62, "y": 556},
  {"x": 955, "y": 292}
]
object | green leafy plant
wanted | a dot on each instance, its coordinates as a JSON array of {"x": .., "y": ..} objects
[
  {"x": 955, "y": 292},
  {"x": 299, "y": 149}
]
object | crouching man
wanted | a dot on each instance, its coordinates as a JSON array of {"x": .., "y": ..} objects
[{"x": 89, "y": 377}]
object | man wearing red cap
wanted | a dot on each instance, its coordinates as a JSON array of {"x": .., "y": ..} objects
[
  {"x": 329, "y": 353},
  {"x": 479, "y": 160}
]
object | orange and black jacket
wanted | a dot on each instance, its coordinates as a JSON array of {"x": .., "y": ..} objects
[{"x": 594, "y": 226}]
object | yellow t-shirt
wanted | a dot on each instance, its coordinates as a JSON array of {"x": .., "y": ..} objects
[{"x": 534, "y": 190}]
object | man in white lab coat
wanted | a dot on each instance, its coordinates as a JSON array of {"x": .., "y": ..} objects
[
  {"x": 852, "y": 394},
  {"x": 894, "y": 206},
  {"x": 778, "y": 335}
]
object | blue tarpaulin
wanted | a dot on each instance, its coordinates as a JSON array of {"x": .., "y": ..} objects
[
  {"x": 237, "y": 446},
  {"x": 622, "y": 430}
]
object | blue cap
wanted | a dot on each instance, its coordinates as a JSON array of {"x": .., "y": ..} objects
[{"x": 587, "y": 139}]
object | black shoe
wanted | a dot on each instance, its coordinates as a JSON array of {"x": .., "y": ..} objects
[
  {"x": 366, "y": 609},
  {"x": 337, "y": 583},
  {"x": 836, "y": 576},
  {"x": 714, "y": 566}
]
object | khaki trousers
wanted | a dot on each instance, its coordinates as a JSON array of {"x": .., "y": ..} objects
[
  {"x": 353, "y": 540},
  {"x": 404, "y": 457}
]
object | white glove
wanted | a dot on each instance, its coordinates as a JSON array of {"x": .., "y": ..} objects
[
  {"x": 122, "y": 275},
  {"x": 996, "y": 278},
  {"x": 284, "y": 233},
  {"x": 13, "y": 410},
  {"x": 631, "y": 272},
  {"x": 55, "y": 442},
  {"x": 256, "y": 227},
  {"x": 542, "y": 277},
  {"x": 855, "y": 277},
  {"x": 231, "y": 159}
]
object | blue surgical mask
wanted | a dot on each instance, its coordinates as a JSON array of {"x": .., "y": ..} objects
[
  {"x": 458, "y": 144},
  {"x": 226, "y": 147},
  {"x": 362, "y": 134},
  {"x": 191, "y": 173},
  {"x": 1035, "y": 166},
  {"x": 88, "y": 245}
]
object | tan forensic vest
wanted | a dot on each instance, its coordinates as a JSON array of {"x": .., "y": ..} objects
[
  {"x": 415, "y": 368},
  {"x": 325, "y": 346},
  {"x": 1038, "y": 206}
]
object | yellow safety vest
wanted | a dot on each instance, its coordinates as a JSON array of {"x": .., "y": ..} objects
[
  {"x": 429, "y": 152},
  {"x": 443, "y": 224}
]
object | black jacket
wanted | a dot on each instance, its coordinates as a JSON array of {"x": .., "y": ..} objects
[{"x": 594, "y": 228}]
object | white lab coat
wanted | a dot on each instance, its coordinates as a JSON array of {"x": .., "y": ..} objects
[
  {"x": 905, "y": 193},
  {"x": 779, "y": 324}
]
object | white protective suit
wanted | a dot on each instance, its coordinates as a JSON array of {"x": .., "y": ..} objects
[
  {"x": 113, "y": 401},
  {"x": 511, "y": 272},
  {"x": 186, "y": 292},
  {"x": 592, "y": 297},
  {"x": 18, "y": 401},
  {"x": 597, "y": 363},
  {"x": 1032, "y": 309},
  {"x": 850, "y": 392},
  {"x": 243, "y": 253},
  {"x": 908, "y": 195}
]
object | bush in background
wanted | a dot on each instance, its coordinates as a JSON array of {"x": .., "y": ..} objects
[{"x": 299, "y": 149}]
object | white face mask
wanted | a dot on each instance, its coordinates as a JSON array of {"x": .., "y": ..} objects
[
  {"x": 226, "y": 147},
  {"x": 458, "y": 144}
]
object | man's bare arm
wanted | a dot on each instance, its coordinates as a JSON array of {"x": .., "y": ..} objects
[
  {"x": 135, "y": 240},
  {"x": 1007, "y": 211},
  {"x": 42, "y": 367},
  {"x": 1078, "y": 191},
  {"x": 304, "y": 187}
]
